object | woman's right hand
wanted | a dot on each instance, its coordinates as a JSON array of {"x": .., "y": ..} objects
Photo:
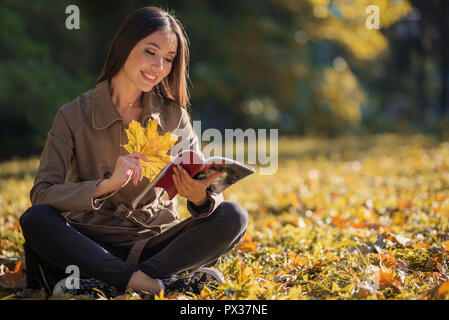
[{"x": 127, "y": 167}]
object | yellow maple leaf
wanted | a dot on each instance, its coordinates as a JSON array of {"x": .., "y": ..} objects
[{"x": 149, "y": 143}]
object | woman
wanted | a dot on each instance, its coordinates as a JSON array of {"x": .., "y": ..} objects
[{"x": 81, "y": 214}]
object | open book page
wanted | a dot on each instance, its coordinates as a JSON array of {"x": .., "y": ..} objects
[
  {"x": 233, "y": 171},
  {"x": 192, "y": 163}
]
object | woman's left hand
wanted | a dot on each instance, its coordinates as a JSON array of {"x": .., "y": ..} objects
[{"x": 192, "y": 189}]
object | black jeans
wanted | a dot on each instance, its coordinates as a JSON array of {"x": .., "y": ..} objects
[{"x": 51, "y": 245}]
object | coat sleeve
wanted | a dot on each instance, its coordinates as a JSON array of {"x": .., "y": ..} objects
[
  {"x": 192, "y": 143},
  {"x": 49, "y": 187}
]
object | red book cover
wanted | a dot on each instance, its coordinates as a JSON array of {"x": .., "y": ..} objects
[{"x": 191, "y": 161}]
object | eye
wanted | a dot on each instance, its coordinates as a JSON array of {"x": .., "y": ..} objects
[{"x": 152, "y": 53}]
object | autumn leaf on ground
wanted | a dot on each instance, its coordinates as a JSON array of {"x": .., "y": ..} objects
[
  {"x": 154, "y": 147},
  {"x": 386, "y": 279},
  {"x": 403, "y": 241},
  {"x": 443, "y": 288},
  {"x": 296, "y": 260},
  {"x": 205, "y": 292},
  {"x": 11, "y": 279},
  {"x": 446, "y": 245},
  {"x": 388, "y": 260},
  {"x": 439, "y": 291},
  {"x": 247, "y": 244}
]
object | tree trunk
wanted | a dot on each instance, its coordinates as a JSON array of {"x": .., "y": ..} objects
[{"x": 444, "y": 24}]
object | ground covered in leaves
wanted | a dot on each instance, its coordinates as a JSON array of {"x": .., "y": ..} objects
[{"x": 346, "y": 218}]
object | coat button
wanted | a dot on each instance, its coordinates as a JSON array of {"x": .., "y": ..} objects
[{"x": 107, "y": 175}]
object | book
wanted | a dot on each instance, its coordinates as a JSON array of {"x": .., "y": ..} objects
[{"x": 192, "y": 162}]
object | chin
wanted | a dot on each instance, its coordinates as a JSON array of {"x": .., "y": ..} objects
[{"x": 145, "y": 87}]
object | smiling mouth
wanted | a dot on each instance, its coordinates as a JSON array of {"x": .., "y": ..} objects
[{"x": 149, "y": 77}]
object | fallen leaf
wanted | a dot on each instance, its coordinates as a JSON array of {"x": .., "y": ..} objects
[
  {"x": 296, "y": 260},
  {"x": 446, "y": 245},
  {"x": 249, "y": 246},
  {"x": 443, "y": 288},
  {"x": 388, "y": 260},
  {"x": 246, "y": 244},
  {"x": 363, "y": 290},
  {"x": 205, "y": 292},
  {"x": 386, "y": 279},
  {"x": 403, "y": 241},
  {"x": 11, "y": 279}
]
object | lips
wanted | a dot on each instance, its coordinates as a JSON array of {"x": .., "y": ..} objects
[{"x": 149, "y": 76}]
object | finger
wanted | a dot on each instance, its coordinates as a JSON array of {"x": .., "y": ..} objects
[
  {"x": 134, "y": 164},
  {"x": 181, "y": 186},
  {"x": 137, "y": 169},
  {"x": 179, "y": 173},
  {"x": 186, "y": 176},
  {"x": 138, "y": 155},
  {"x": 136, "y": 174},
  {"x": 139, "y": 175},
  {"x": 181, "y": 190},
  {"x": 133, "y": 161},
  {"x": 187, "y": 183},
  {"x": 141, "y": 171},
  {"x": 129, "y": 174},
  {"x": 175, "y": 181}
]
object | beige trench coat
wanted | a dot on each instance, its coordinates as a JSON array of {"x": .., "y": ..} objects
[{"x": 82, "y": 147}]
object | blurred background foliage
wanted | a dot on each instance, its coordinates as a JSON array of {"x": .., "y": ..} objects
[{"x": 306, "y": 67}]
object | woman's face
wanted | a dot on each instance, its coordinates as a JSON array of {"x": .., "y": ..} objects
[{"x": 151, "y": 59}]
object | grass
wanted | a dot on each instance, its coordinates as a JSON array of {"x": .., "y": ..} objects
[{"x": 343, "y": 218}]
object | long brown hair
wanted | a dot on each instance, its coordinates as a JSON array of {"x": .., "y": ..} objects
[{"x": 138, "y": 25}]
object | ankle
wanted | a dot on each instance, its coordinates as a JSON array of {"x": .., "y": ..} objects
[{"x": 140, "y": 281}]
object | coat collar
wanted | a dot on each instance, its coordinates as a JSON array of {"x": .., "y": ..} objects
[{"x": 104, "y": 112}]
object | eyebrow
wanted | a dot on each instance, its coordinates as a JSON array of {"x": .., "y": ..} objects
[{"x": 157, "y": 46}]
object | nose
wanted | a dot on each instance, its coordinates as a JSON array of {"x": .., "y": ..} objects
[{"x": 157, "y": 64}]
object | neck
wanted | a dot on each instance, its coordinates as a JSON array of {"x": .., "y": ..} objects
[{"x": 124, "y": 92}]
